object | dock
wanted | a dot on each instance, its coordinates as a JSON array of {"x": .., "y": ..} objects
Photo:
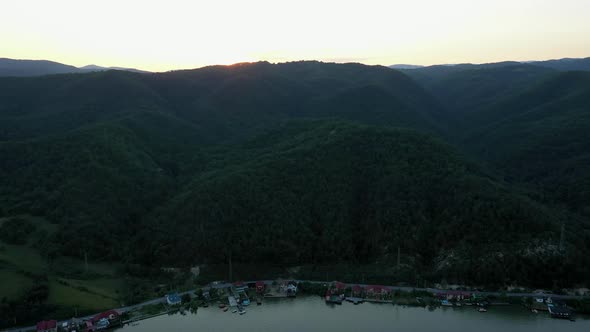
[
  {"x": 355, "y": 300},
  {"x": 232, "y": 301},
  {"x": 559, "y": 312}
]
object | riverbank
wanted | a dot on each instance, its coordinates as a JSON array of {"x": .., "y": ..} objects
[
  {"x": 311, "y": 313},
  {"x": 320, "y": 287}
]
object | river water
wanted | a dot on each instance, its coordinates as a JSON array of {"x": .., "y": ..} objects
[{"x": 312, "y": 314}]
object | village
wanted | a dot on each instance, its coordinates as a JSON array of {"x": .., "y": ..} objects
[{"x": 235, "y": 297}]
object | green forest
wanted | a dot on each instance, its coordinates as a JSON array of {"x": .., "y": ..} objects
[{"x": 476, "y": 175}]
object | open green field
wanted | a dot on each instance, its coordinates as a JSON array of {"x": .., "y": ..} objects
[
  {"x": 72, "y": 284},
  {"x": 76, "y": 266},
  {"x": 22, "y": 258},
  {"x": 104, "y": 287},
  {"x": 13, "y": 284},
  {"x": 71, "y": 296}
]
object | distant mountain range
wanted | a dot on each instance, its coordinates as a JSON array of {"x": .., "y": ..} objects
[
  {"x": 24, "y": 68},
  {"x": 565, "y": 64}
]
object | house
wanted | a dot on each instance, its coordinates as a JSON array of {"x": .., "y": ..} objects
[
  {"x": 260, "y": 287},
  {"x": 71, "y": 326},
  {"x": 340, "y": 287},
  {"x": 288, "y": 287},
  {"x": 102, "y": 324},
  {"x": 454, "y": 295},
  {"x": 89, "y": 326},
  {"x": 173, "y": 299},
  {"x": 291, "y": 289},
  {"x": 47, "y": 326},
  {"x": 206, "y": 295},
  {"x": 337, "y": 287},
  {"x": 377, "y": 291},
  {"x": 357, "y": 290},
  {"x": 240, "y": 286},
  {"x": 112, "y": 316}
]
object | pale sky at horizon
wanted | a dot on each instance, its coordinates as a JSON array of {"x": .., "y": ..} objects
[{"x": 176, "y": 34}]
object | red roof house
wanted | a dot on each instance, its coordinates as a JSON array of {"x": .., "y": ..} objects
[
  {"x": 47, "y": 326},
  {"x": 357, "y": 290},
  {"x": 377, "y": 290},
  {"x": 111, "y": 315},
  {"x": 260, "y": 286},
  {"x": 339, "y": 285},
  {"x": 89, "y": 327}
]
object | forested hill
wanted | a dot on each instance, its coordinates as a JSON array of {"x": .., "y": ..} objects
[
  {"x": 340, "y": 193},
  {"x": 224, "y": 102},
  {"x": 293, "y": 164},
  {"x": 540, "y": 137}
]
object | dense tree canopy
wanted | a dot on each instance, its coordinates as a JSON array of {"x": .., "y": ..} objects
[{"x": 308, "y": 163}]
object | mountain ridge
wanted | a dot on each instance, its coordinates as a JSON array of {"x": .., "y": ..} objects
[{"x": 32, "y": 68}]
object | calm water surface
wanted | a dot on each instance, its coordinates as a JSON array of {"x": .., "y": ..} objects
[{"x": 312, "y": 314}]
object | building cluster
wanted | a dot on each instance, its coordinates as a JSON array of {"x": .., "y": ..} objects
[{"x": 102, "y": 321}]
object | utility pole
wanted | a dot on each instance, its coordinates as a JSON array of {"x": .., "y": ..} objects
[
  {"x": 562, "y": 237},
  {"x": 85, "y": 262},
  {"x": 230, "y": 268}
]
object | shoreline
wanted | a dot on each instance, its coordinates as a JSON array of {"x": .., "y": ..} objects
[{"x": 405, "y": 289}]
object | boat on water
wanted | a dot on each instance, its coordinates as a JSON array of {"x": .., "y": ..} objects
[
  {"x": 333, "y": 299},
  {"x": 560, "y": 312},
  {"x": 241, "y": 310},
  {"x": 446, "y": 303},
  {"x": 482, "y": 309}
]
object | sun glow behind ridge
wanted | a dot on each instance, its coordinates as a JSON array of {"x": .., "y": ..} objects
[{"x": 173, "y": 34}]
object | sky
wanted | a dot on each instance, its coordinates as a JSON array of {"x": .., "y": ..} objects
[{"x": 176, "y": 34}]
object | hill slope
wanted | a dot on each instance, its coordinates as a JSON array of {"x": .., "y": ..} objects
[
  {"x": 373, "y": 190},
  {"x": 541, "y": 137},
  {"x": 466, "y": 89}
]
